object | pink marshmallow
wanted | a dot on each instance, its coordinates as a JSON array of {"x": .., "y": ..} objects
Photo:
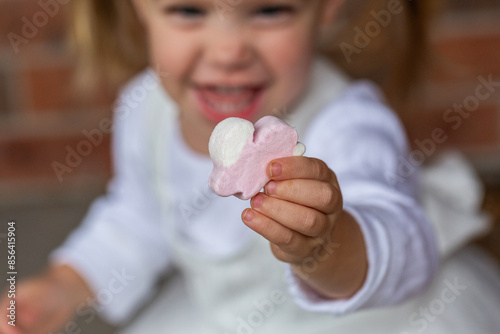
[{"x": 241, "y": 152}]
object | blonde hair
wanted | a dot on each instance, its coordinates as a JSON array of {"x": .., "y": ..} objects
[{"x": 110, "y": 42}]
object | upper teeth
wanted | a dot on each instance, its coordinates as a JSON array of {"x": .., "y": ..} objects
[
  {"x": 229, "y": 107},
  {"x": 228, "y": 89}
]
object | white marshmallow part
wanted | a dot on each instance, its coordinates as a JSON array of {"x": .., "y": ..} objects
[
  {"x": 299, "y": 149},
  {"x": 228, "y": 140}
]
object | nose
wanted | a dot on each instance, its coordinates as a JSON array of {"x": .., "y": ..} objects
[{"x": 228, "y": 49}]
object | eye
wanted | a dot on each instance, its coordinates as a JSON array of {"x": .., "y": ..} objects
[
  {"x": 185, "y": 11},
  {"x": 274, "y": 11}
]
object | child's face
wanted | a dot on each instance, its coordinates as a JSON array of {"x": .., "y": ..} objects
[{"x": 233, "y": 58}]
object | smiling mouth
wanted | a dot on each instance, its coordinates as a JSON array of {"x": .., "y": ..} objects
[{"x": 218, "y": 102}]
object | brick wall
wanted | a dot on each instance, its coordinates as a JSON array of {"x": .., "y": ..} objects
[
  {"x": 455, "y": 96},
  {"x": 42, "y": 118}
]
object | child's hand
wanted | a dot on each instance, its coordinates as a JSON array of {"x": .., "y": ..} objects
[
  {"x": 301, "y": 215},
  {"x": 299, "y": 209},
  {"x": 46, "y": 303}
]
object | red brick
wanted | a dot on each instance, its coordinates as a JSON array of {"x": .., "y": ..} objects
[
  {"x": 434, "y": 96},
  {"x": 465, "y": 5},
  {"x": 11, "y": 21},
  {"x": 464, "y": 57},
  {"x": 28, "y": 158},
  {"x": 48, "y": 89},
  {"x": 52, "y": 89},
  {"x": 480, "y": 129},
  {"x": 4, "y": 105}
]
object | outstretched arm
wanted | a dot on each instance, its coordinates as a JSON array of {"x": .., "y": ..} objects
[{"x": 301, "y": 215}]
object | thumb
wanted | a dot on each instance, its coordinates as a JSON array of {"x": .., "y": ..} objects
[
  {"x": 6, "y": 317},
  {"x": 19, "y": 320},
  {"x": 8, "y": 326},
  {"x": 11, "y": 330},
  {"x": 29, "y": 317}
]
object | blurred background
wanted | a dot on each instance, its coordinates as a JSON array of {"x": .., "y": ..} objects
[{"x": 46, "y": 187}]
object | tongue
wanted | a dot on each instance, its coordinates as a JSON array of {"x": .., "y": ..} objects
[{"x": 210, "y": 95}]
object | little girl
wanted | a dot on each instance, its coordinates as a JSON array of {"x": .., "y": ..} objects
[{"x": 330, "y": 235}]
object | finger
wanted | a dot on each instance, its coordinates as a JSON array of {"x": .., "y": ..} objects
[
  {"x": 285, "y": 256},
  {"x": 30, "y": 305},
  {"x": 321, "y": 196},
  {"x": 300, "y": 168},
  {"x": 52, "y": 321},
  {"x": 306, "y": 221},
  {"x": 29, "y": 316},
  {"x": 289, "y": 241},
  {"x": 5, "y": 328},
  {"x": 58, "y": 314}
]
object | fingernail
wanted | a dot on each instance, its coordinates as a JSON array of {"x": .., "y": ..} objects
[
  {"x": 248, "y": 215},
  {"x": 275, "y": 169},
  {"x": 257, "y": 201},
  {"x": 271, "y": 188}
]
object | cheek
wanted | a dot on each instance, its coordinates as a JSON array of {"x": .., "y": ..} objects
[
  {"x": 288, "y": 55},
  {"x": 171, "y": 54}
]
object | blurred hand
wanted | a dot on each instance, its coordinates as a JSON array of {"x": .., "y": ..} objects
[{"x": 46, "y": 302}]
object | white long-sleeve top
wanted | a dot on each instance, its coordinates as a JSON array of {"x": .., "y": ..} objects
[{"x": 120, "y": 248}]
